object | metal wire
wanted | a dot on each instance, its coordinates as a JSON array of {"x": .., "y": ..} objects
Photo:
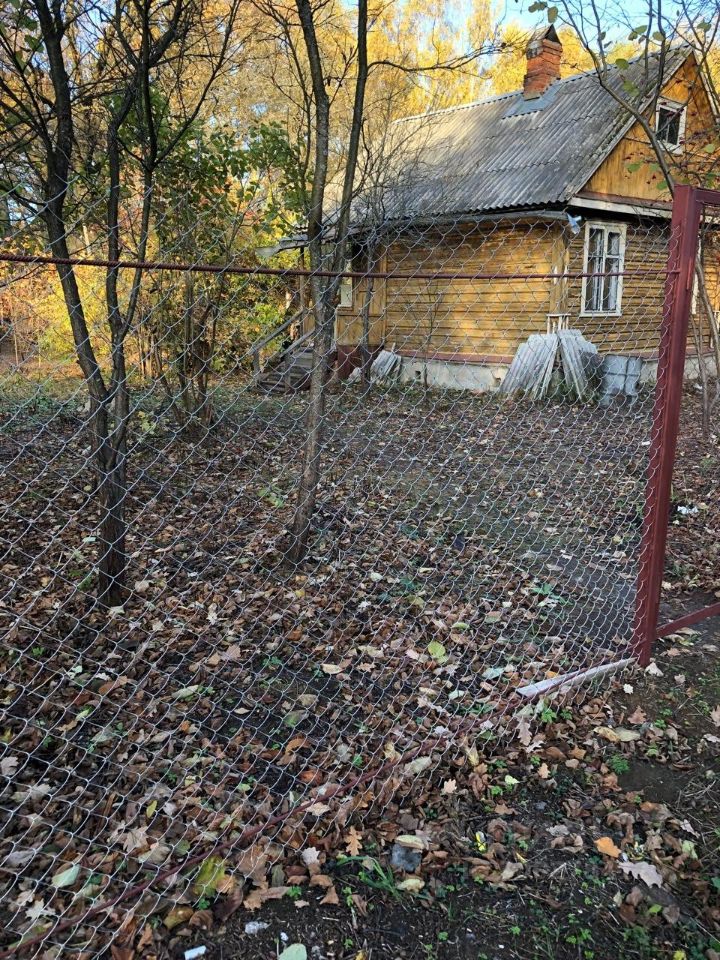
[{"x": 471, "y": 547}]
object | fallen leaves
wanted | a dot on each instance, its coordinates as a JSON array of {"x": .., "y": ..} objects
[
  {"x": 607, "y": 847},
  {"x": 642, "y": 870},
  {"x": 211, "y": 878},
  {"x": 66, "y": 877},
  {"x": 255, "y": 688},
  {"x": 617, "y": 734},
  {"x": 418, "y": 766},
  {"x": 353, "y": 842},
  {"x": 411, "y": 885},
  {"x": 177, "y": 916},
  {"x": 261, "y": 894}
]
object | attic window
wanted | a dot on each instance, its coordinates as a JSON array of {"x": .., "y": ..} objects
[{"x": 670, "y": 123}]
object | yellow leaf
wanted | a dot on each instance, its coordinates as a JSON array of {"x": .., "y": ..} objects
[
  {"x": 606, "y": 846},
  {"x": 177, "y": 916}
]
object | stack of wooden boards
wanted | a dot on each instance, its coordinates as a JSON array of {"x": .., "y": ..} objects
[{"x": 550, "y": 362}]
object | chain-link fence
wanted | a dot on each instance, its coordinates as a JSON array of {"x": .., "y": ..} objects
[{"x": 187, "y": 693}]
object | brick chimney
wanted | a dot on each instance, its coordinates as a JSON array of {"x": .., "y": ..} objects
[{"x": 544, "y": 53}]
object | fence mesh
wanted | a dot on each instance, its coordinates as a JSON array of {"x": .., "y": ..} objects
[{"x": 475, "y": 539}]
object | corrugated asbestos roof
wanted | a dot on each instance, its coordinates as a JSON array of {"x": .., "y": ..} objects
[{"x": 507, "y": 152}]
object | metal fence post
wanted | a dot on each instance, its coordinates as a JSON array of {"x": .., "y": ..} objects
[{"x": 684, "y": 234}]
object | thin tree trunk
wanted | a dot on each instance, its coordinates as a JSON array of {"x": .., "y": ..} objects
[
  {"x": 365, "y": 356},
  {"x": 113, "y": 528},
  {"x": 703, "y": 374},
  {"x": 324, "y": 291}
]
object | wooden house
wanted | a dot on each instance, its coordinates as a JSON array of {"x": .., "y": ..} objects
[{"x": 486, "y": 208}]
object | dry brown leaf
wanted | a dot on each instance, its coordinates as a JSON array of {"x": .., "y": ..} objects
[
  {"x": 260, "y": 895},
  {"x": 617, "y": 734},
  {"x": 177, "y": 916},
  {"x": 647, "y": 872},
  {"x": 252, "y": 864},
  {"x": 331, "y": 897},
  {"x": 227, "y": 906},
  {"x": 321, "y": 880},
  {"x": 121, "y": 953},
  {"x": 353, "y": 842},
  {"x": 226, "y": 884}
]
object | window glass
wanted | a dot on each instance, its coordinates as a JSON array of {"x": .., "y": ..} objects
[
  {"x": 604, "y": 264},
  {"x": 668, "y": 124}
]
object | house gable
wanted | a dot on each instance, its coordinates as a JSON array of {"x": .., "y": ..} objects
[{"x": 630, "y": 173}]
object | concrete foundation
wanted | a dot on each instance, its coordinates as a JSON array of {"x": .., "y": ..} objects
[
  {"x": 453, "y": 375},
  {"x": 487, "y": 377}
]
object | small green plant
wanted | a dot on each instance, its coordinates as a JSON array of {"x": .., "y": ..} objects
[
  {"x": 618, "y": 763},
  {"x": 373, "y": 875},
  {"x": 548, "y": 715},
  {"x": 294, "y": 892}
]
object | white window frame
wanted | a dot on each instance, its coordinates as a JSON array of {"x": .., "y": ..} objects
[
  {"x": 676, "y": 107},
  {"x": 607, "y": 227},
  {"x": 346, "y": 288}
]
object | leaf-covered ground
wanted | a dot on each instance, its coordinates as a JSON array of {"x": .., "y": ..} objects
[
  {"x": 597, "y": 836},
  {"x": 462, "y": 548}
]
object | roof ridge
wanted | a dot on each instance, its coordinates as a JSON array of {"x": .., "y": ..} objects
[
  {"x": 514, "y": 93},
  {"x": 457, "y": 106}
]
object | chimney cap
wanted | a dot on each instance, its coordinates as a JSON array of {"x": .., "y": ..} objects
[{"x": 548, "y": 32}]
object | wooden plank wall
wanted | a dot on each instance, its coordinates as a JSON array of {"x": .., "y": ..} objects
[
  {"x": 478, "y": 319},
  {"x": 460, "y": 316},
  {"x": 637, "y": 330}
]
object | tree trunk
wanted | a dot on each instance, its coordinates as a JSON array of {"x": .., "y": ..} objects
[
  {"x": 323, "y": 290},
  {"x": 314, "y": 424},
  {"x": 365, "y": 356},
  {"x": 113, "y": 529}
]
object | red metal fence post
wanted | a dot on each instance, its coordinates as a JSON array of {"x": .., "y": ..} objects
[{"x": 687, "y": 208}]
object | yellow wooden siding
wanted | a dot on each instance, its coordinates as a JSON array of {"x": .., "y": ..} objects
[
  {"x": 637, "y": 329},
  {"x": 489, "y": 318},
  {"x": 348, "y": 330},
  {"x": 613, "y": 178},
  {"x": 464, "y": 316}
]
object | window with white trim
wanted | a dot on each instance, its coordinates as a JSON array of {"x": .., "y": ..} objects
[
  {"x": 346, "y": 287},
  {"x": 604, "y": 260},
  {"x": 670, "y": 123}
]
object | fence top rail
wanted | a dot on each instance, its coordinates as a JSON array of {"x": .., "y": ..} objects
[{"x": 43, "y": 260}]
